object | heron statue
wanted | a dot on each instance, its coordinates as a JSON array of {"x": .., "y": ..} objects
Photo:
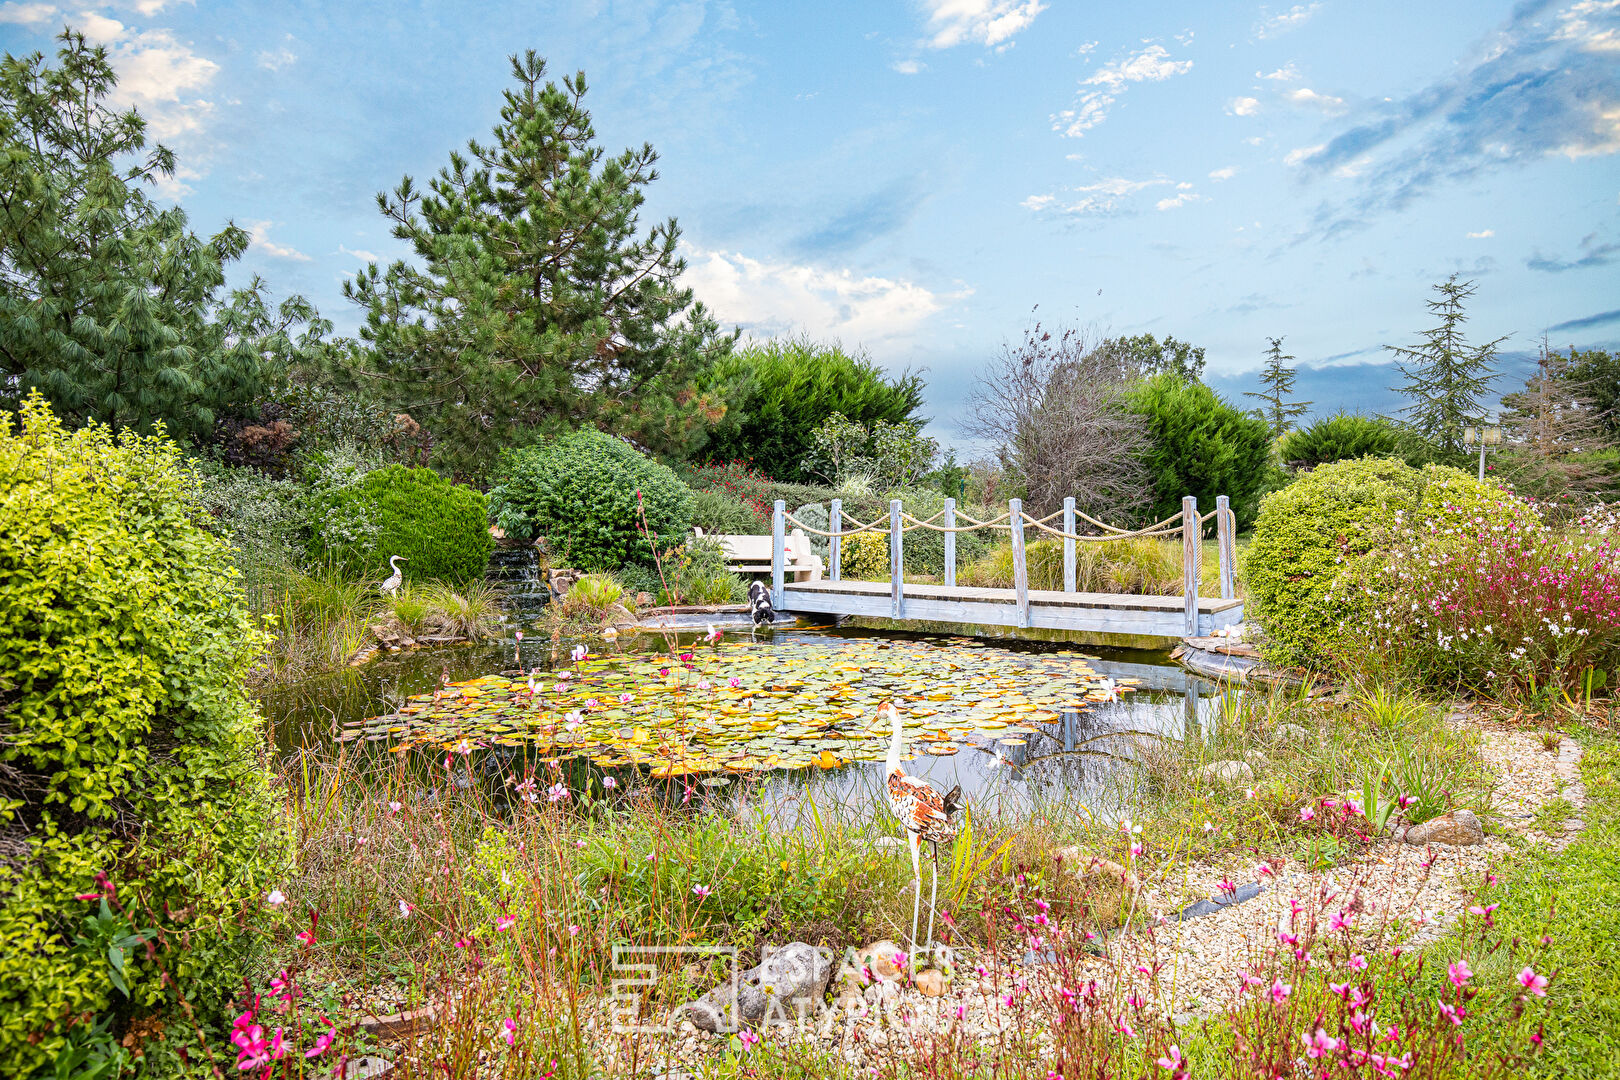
[
  {"x": 391, "y": 586},
  {"x": 923, "y": 812}
]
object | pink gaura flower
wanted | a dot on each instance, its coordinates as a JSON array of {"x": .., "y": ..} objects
[
  {"x": 1536, "y": 984},
  {"x": 1174, "y": 1062},
  {"x": 700, "y": 891},
  {"x": 1306, "y": 813},
  {"x": 406, "y": 909},
  {"x": 1280, "y": 991},
  {"x": 1357, "y": 962},
  {"x": 1320, "y": 1044},
  {"x": 1458, "y": 973},
  {"x": 323, "y": 1042},
  {"x": 505, "y": 922},
  {"x": 509, "y": 1030},
  {"x": 747, "y": 1038},
  {"x": 306, "y": 936},
  {"x": 275, "y": 899},
  {"x": 1454, "y": 1013}
]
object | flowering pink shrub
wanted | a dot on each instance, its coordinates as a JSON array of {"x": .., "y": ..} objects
[{"x": 1494, "y": 605}]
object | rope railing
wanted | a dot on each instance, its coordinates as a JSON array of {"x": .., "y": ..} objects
[{"x": 1014, "y": 521}]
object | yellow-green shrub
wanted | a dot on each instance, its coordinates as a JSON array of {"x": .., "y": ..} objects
[
  {"x": 126, "y": 734},
  {"x": 864, "y": 556}
]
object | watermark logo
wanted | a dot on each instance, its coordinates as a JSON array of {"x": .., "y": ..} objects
[{"x": 635, "y": 970}]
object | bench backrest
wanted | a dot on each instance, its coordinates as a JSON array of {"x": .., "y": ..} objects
[{"x": 741, "y": 547}]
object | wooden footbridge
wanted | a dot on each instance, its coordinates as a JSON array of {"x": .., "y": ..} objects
[{"x": 1187, "y": 615}]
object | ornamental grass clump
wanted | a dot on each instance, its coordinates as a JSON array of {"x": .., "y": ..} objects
[{"x": 1493, "y": 607}]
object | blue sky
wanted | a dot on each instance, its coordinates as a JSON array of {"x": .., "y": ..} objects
[{"x": 913, "y": 178}]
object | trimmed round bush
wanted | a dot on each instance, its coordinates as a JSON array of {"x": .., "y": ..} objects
[
  {"x": 441, "y": 529},
  {"x": 1339, "y": 438},
  {"x": 128, "y": 741},
  {"x": 579, "y": 493},
  {"x": 1312, "y": 531}
]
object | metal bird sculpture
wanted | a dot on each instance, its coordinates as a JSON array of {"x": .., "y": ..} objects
[{"x": 925, "y": 813}]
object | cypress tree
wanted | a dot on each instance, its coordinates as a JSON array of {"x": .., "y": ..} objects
[
  {"x": 1278, "y": 379},
  {"x": 1446, "y": 379},
  {"x": 533, "y": 303}
]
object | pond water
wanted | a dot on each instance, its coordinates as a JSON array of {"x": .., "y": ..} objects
[{"x": 1006, "y": 718}]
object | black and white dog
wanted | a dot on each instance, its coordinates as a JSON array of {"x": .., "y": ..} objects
[{"x": 759, "y": 598}]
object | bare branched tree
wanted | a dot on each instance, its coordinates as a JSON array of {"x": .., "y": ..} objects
[
  {"x": 1555, "y": 432},
  {"x": 1054, "y": 407}
]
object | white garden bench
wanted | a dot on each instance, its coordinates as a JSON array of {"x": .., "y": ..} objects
[{"x": 752, "y": 554}]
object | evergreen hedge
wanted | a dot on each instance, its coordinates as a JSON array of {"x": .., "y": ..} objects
[{"x": 441, "y": 529}]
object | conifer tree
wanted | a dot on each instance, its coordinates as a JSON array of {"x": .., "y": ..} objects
[
  {"x": 533, "y": 302},
  {"x": 1278, "y": 379},
  {"x": 109, "y": 304},
  {"x": 1555, "y": 431},
  {"x": 1446, "y": 379}
]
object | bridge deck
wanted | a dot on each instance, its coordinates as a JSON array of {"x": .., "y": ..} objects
[{"x": 1115, "y": 613}]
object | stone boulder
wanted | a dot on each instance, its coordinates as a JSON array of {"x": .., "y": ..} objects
[
  {"x": 788, "y": 983},
  {"x": 1230, "y": 773},
  {"x": 1458, "y": 827}
]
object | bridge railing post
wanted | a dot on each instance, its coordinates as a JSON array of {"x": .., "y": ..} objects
[
  {"x": 1192, "y": 558},
  {"x": 950, "y": 542},
  {"x": 1015, "y": 521},
  {"x": 778, "y": 551},
  {"x": 835, "y": 542},
  {"x": 897, "y": 593},
  {"x": 1226, "y": 546},
  {"x": 1068, "y": 544}
]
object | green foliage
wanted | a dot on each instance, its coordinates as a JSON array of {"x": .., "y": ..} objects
[
  {"x": 580, "y": 491},
  {"x": 128, "y": 741},
  {"x": 1149, "y": 357},
  {"x": 532, "y": 302},
  {"x": 924, "y": 549},
  {"x": 864, "y": 557},
  {"x": 1141, "y": 565},
  {"x": 1312, "y": 531},
  {"x": 697, "y": 574},
  {"x": 1339, "y": 437},
  {"x": 1446, "y": 379},
  {"x": 887, "y": 455},
  {"x": 1201, "y": 446},
  {"x": 440, "y": 528},
  {"x": 1597, "y": 373},
  {"x": 1278, "y": 379},
  {"x": 792, "y": 388},
  {"x": 592, "y": 595},
  {"x": 109, "y": 304},
  {"x": 717, "y": 512}
]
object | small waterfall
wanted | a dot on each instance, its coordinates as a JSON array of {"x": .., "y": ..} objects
[{"x": 516, "y": 572}]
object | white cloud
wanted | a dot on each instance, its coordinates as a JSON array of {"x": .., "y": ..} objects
[
  {"x": 1272, "y": 25},
  {"x": 358, "y": 253},
  {"x": 1152, "y": 64},
  {"x": 991, "y": 23},
  {"x": 259, "y": 235},
  {"x": 1286, "y": 73},
  {"x": 1244, "y": 106},
  {"x": 771, "y": 299},
  {"x": 1577, "y": 26},
  {"x": 908, "y": 67},
  {"x": 99, "y": 29},
  {"x": 1038, "y": 202},
  {"x": 1175, "y": 201},
  {"x": 275, "y": 61},
  {"x": 1483, "y": 234},
  {"x": 1102, "y": 197},
  {"x": 154, "y": 72},
  {"x": 1294, "y": 157},
  {"x": 1223, "y": 174},
  {"x": 1604, "y": 137},
  {"x": 27, "y": 14},
  {"x": 1326, "y": 102}
]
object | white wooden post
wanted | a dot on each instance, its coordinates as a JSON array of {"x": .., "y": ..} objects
[
  {"x": 778, "y": 551},
  {"x": 1226, "y": 546},
  {"x": 1015, "y": 520},
  {"x": 897, "y": 597},
  {"x": 950, "y": 542},
  {"x": 1192, "y": 557},
  {"x": 1068, "y": 545},
  {"x": 835, "y": 543}
]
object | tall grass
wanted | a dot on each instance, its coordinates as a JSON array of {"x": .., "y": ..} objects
[{"x": 1142, "y": 565}]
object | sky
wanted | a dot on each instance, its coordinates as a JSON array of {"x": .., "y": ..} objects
[{"x": 920, "y": 179}]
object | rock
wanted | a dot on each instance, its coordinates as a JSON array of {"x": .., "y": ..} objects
[
  {"x": 790, "y": 981},
  {"x": 930, "y": 983},
  {"x": 560, "y": 581},
  {"x": 890, "y": 843},
  {"x": 644, "y": 599},
  {"x": 369, "y": 1067},
  {"x": 1293, "y": 733},
  {"x": 1257, "y": 760},
  {"x": 1094, "y": 870},
  {"x": 1457, "y": 827},
  {"x": 397, "y": 1026},
  {"x": 619, "y": 615},
  {"x": 878, "y": 958},
  {"x": 1227, "y": 772}
]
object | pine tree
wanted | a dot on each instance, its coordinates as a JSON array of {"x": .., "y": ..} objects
[
  {"x": 1446, "y": 378},
  {"x": 533, "y": 303},
  {"x": 1278, "y": 379},
  {"x": 109, "y": 304},
  {"x": 1555, "y": 431}
]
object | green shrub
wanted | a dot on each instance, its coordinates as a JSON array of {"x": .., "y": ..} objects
[
  {"x": 579, "y": 492},
  {"x": 1339, "y": 438},
  {"x": 1141, "y": 565},
  {"x": 440, "y": 528},
  {"x": 717, "y": 512},
  {"x": 592, "y": 596},
  {"x": 697, "y": 574},
  {"x": 1310, "y": 532},
  {"x": 864, "y": 557},
  {"x": 924, "y": 548},
  {"x": 1202, "y": 447},
  {"x": 129, "y": 741}
]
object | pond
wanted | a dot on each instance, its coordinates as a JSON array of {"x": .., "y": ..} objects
[{"x": 767, "y": 720}]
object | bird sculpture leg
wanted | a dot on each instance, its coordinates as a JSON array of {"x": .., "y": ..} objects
[
  {"x": 916, "y": 880},
  {"x": 933, "y": 898}
]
